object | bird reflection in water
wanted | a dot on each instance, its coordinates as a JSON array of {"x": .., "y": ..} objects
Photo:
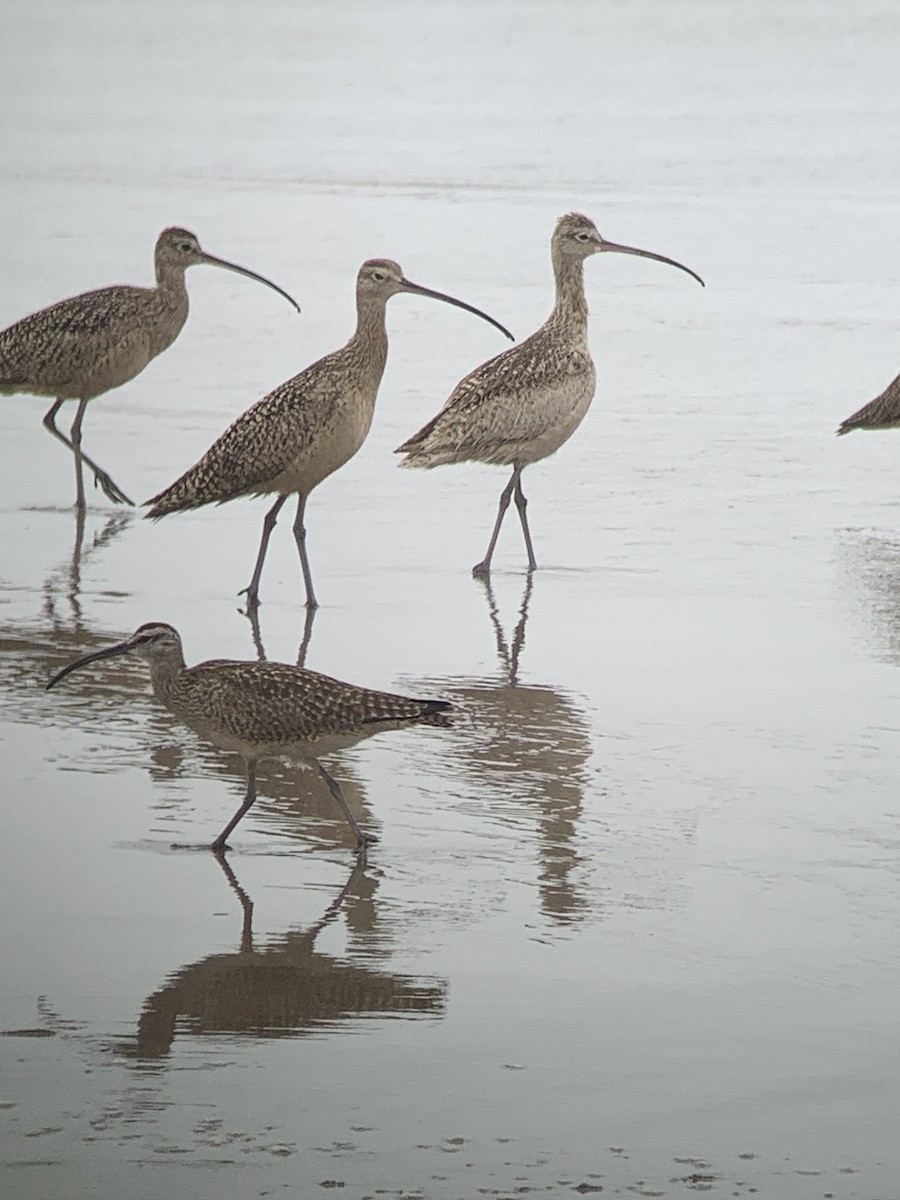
[
  {"x": 32, "y": 642},
  {"x": 285, "y": 989},
  {"x": 65, "y": 579},
  {"x": 531, "y": 744},
  {"x": 252, "y": 615}
]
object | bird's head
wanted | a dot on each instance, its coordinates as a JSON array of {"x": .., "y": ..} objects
[{"x": 577, "y": 237}]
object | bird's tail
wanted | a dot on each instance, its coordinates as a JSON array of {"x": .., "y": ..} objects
[
  {"x": 178, "y": 497},
  {"x": 881, "y": 413}
]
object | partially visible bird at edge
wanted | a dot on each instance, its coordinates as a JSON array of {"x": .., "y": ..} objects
[
  {"x": 881, "y": 413},
  {"x": 265, "y": 710},
  {"x": 303, "y": 431},
  {"x": 82, "y": 347},
  {"x": 522, "y": 405}
]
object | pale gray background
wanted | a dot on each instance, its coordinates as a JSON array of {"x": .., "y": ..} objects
[{"x": 655, "y": 884}]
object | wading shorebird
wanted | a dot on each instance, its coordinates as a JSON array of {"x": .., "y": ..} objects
[
  {"x": 881, "y": 413},
  {"x": 263, "y": 710},
  {"x": 80, "y": 348},
  {"x": 307, "y": 428},
  {"x": 521, "y": 406}
]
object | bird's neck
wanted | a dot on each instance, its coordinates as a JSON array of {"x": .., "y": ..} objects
[
  {"x": 170, "y": 282},
  {"x": 570, "y": 310},
  {"x": 164, "y": 672},
  {"x": 369, "y": 344}
]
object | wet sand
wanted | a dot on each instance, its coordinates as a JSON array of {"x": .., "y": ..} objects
[{"x": 630, "y": 925}]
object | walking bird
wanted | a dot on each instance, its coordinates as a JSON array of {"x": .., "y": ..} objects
[
  {"x": 522, "y": 405},
  {"x": 881, "y": 413},
  {"x": 307, "y": 428},
  {"x": 263, "y": 710},
  {"x": 82, "y": 347}
]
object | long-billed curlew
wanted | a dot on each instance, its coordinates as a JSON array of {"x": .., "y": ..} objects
[
  {"x": 881, "y": 413},
  {"x": 266, "y": 710},
  {"x": 307, "y": 428},
  {"x": 79, "y": 348},
  {"x": 522, "y": 405}
]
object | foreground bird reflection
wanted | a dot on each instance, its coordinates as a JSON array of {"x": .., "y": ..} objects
[
  {"x": 528, "y": 747},
  {"x": 284, "y": 989}
]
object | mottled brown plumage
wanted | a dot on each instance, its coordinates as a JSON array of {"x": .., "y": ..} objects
[
  {"x": 881, "y": 413},
  {"x": 82, "y": 347},
  {"x": 522, "y": 405},
  {"x": 267, "y": 710},
  {"x": 307, "y": 428}
]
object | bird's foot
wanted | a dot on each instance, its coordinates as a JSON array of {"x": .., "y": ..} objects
[
  {"x": 219, "y": 847},
  {"x": 362, "y": 846},
  {"x": 481, "y": 570},
  {"x": 252, "y": 599},
  {"x": 111, "y": 489}
]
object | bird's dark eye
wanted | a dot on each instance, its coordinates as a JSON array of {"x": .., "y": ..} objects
[
  {"x": 582, "y": 236},
  {"x": 379, "y": 276}
]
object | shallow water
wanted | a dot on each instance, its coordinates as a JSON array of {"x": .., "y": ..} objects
[{"x": 631, "y": 923}]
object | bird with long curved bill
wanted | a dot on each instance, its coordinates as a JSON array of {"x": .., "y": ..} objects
[
  {"x": 307, "y": 428},
  {"x": 82, "y": 347},
  {"x": 525, "y": 403},
  {"x": 265, "y": 710}
]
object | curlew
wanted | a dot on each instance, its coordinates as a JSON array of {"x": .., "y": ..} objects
[
  {"x": 881, "y": 413},
  {"x": 263, "y": 710},
  {"x": 82, "y": 347},
  {"x": 307, "y": 428},
  {"x": 522, "y": 405}
]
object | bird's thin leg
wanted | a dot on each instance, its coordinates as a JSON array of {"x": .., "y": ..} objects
[
  {"x": 521, "y": 505},
  {"x": 362, "y": 839},
  {"x": 221, "y": 842},
  {"x": 110, "y": 489},
  {"x": 484, "y": 567},
  {"x": 300, "y": 538},
  {"x": 75, "y": 434},
  {"x": 252, "y": 591}
]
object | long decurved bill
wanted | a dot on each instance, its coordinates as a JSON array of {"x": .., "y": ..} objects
[
  {"x": 212, "y": 261},
  {"x": 109, "y": 652},
  {"x": 417, "y": 290},
  {"x": 615, "y": 248}
]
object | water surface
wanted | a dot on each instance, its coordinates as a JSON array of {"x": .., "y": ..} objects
[{"x": 631, "y": 923}]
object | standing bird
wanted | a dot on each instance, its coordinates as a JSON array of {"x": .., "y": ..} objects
[
  {"x": 267, "y": 710},
  {"x": 82, "y": 347},
  {"x": 521, "y": 406},
  {"x": 295, "y": 437},
  {"x": 881, "y": 413}
]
